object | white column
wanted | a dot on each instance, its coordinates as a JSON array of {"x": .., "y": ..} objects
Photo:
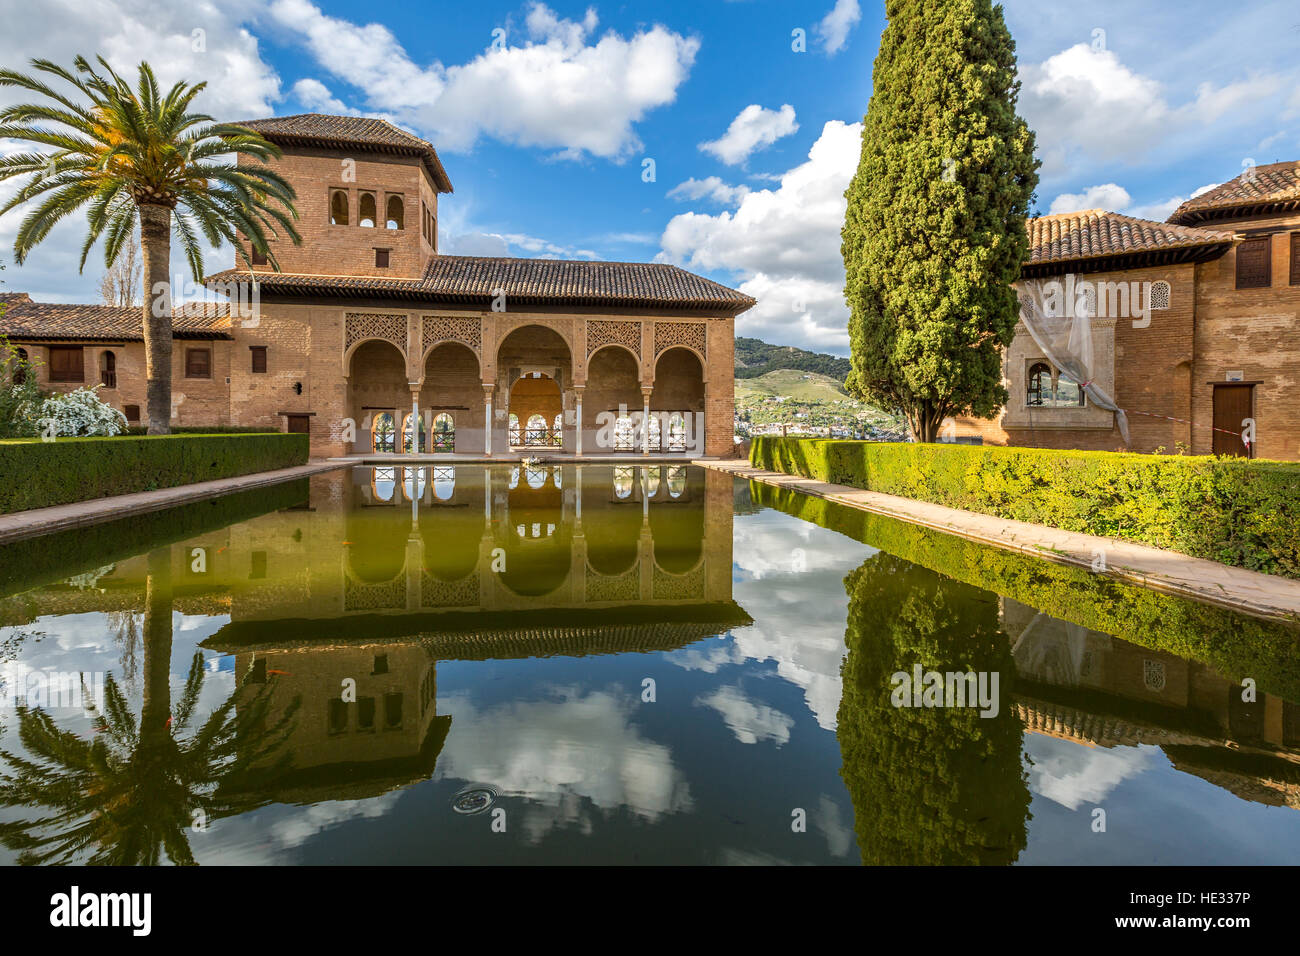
[
  {"x": 645, "y": 421},
  {"x": 577, "y": 435},
  {"x": 416, "y": 424},
  {"x": 487, "y": 422}
]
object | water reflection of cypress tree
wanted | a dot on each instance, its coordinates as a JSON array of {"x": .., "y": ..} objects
[
  {"x": 929, "y": 785},
  {"x": 135, "y": 790}
]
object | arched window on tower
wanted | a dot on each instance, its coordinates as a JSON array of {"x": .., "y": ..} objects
[
  {"x": 396, "y": 213},
  {"x": 338, "y": 208},
  {"x": 366, "y": 214}
]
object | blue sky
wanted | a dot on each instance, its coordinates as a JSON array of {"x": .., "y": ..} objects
[{"x": 545, "y": 128}]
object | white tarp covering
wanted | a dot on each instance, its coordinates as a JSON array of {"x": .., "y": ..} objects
[{"x": 1063, "y": 330}]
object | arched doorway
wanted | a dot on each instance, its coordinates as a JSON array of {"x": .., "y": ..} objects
[
  {"x": 611, "y": 404},
  {"x": 379, "y": 397},
  {"x": 677, "y": 403},
  {"x": 451, "y": 399},
  {"x": 536, "y": 404},
  {"x": 534, "y": 366}
]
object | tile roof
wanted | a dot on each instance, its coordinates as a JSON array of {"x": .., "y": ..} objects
[
  {"x": 378, "y": 135},
  {"x": 25, "y": 320},
  {"x": 1271, "y": 188},
  {"x": 1094, "y": 234},
  {"x": 475, "y": 280}
]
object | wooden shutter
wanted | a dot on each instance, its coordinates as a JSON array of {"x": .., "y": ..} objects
[
  {"x": 198, "y": 363},
  {"x": 67, "y": 364},
  {"x": 1254, "y": 266},
  {"x": 1295, "y": 258},
  {"x": 259, "y": 357}
]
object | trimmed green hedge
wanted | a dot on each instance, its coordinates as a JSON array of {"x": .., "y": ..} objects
[
  {"x": 36, "y": 474},
  {"x": 1231, "y": 510},
  {"x": 207, "y": 430}
]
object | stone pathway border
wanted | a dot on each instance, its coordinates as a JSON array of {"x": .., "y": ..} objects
[{"x": 1261, "y": 595}]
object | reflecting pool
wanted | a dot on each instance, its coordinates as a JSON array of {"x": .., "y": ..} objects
[{"x": 616, "y": 664}]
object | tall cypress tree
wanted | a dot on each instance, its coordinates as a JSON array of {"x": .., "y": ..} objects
[{"x": 935, "y": 229}]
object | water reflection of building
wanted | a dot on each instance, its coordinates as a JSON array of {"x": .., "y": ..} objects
[
  {"x": 392, "y": 569},
  {"x": 366, "y": 719},
  {"x": 1097, "y": 690},
  {"x": 434, "y": 539},
  {"x": 385, "y": 571}
]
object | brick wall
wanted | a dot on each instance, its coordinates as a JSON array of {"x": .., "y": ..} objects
[
  {"x": 350, "y": 250},
  {"x": 1255, "y": 332}
]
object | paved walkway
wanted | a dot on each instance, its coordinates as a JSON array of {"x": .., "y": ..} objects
[
  {"x": 27, "y": 524},
  {"x": 1263, "y": 595}
]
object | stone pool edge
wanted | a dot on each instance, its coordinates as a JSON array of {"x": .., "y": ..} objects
[
  {"x": 1251, "y": 592},
  {"x": 80, "y": 514}
]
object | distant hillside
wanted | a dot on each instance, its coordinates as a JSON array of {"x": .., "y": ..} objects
[
  {"x": 755, "y": 357},
  {"x": 793, "y": 385}
]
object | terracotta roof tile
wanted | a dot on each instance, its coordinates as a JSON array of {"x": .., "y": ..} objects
[
  {"x": 29, "y": 321},
  {"x": 474, "y": 279},
  {"x": 1097, "y": 234},
  {"x": 363, "y": 132},
  {"x": 1259, "y": 189}
]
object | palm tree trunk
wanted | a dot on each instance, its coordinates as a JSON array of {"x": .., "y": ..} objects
[
  {"x": 156, "y": 706},
  {"x": 155, "y": 243}
]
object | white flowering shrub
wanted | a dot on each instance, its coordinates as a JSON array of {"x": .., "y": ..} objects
[{"x": 78, "y": 413}]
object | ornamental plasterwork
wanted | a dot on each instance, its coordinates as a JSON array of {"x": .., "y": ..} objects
[
  {"x": 359, "y": 326},
  {"x": 690, "y": 334},
  {"x": 446, "y": 328},
  {"x": 602, "y": 332}
]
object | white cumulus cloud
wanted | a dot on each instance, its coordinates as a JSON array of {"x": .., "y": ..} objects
[
  {"x": 561, "y": 87},
  {"x": 835, "y": 26},
  {"x": 754, "y": 128},
  {"x": 784, "y": 243}
]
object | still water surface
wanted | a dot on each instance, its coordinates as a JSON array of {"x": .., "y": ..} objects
[{"x": 614, "y": 665}]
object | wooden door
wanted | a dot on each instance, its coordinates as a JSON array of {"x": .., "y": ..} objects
[
  {"x": 298, "y": 424},
  {"x": 1232, "y": 405}
]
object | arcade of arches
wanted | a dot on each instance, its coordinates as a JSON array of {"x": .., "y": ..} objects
[{"x": 532, "y": 391}]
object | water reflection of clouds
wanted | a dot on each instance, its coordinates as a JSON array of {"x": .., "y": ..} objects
[
  {"x": 565, "y": 754},
  {"x": 748, "y": 722},
  {"x": 1073, "y": 775},
  {"x": 789, "y": 576}
]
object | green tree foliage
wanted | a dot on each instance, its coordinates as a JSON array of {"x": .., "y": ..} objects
[
  {"x": 935, "y": 234},
  {"x": 929, "y": 785}
]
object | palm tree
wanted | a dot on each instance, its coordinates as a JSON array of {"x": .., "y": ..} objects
[{"x": 137, "y": 158}]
